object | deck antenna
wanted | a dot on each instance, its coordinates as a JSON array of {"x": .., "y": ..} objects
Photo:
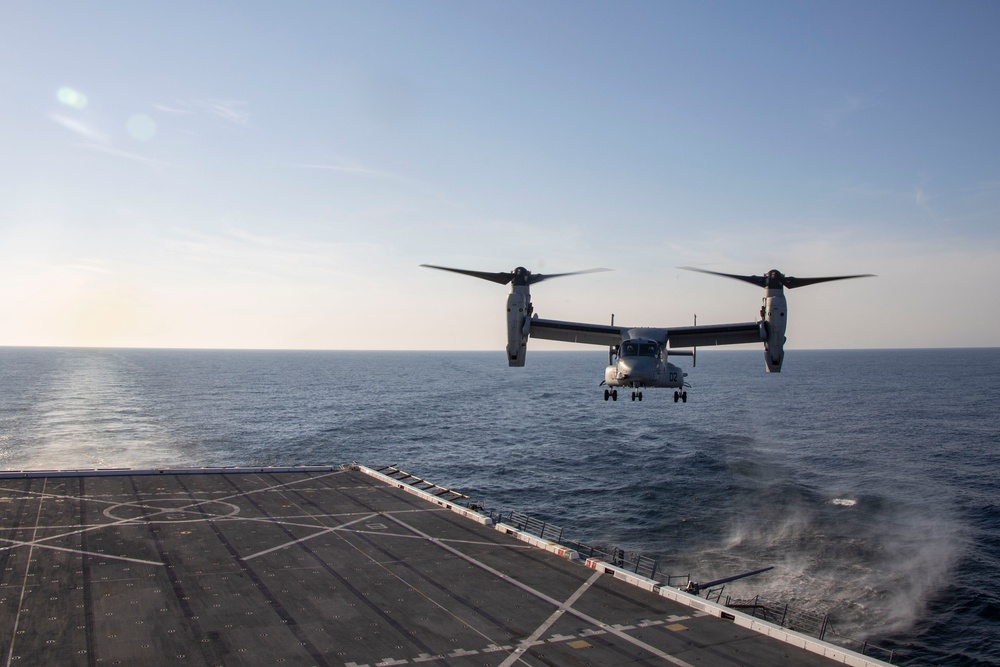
[
  {"x": 612, "y": 349},
  {"x": 694, "y": 350}
]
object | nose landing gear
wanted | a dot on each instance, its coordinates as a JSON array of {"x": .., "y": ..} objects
[
  {"x": 612, "y": 394},
  {"x": 680, "y": 396}
]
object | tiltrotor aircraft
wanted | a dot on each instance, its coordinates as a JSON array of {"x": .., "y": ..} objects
[{"x": 637, "y": 357}]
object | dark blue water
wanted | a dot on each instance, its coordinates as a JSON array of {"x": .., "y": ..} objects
[{"x": 869, "y": 479}]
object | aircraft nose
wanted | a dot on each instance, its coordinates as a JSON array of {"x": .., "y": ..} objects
[{"x": 636, "y": 369}]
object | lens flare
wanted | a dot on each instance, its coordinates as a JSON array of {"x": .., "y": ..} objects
[{"x": 71, "y": 97}]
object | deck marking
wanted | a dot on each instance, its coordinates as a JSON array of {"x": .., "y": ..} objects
[
  {"x": 95, "y": 498},
  {"x": 281, "y": 486},
  {"x": 413, "y": 589},
  {"x": 325, "y": 531},
  {"x": 556, "y": 615},
  {"x": 275, "y": 604},
  {"x": 19, "y": 543},
  {"x": 24, "y": 582},
  {"x": 42, "y": 494},
  {"x": 483, "y": 543},
  {"x": 295, "y": 520},
  {"x": 136, "y": 521},
  {"x": 427, "y": 657},
  {"x": 525, "y": 587},
  {"x": 200, "y": 514}
]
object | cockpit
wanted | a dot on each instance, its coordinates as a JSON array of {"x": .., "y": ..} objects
[{"x": 639, "y": 348}]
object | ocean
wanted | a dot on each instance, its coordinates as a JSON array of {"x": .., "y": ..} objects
[{"x": 868, "y": 479}]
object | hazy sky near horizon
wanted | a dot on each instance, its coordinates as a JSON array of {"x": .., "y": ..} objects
[{"x": 271, "y": 175}]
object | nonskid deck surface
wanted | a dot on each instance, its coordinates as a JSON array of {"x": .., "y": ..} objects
[{"x": 316, "y": 568}]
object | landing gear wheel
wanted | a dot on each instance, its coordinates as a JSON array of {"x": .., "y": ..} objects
[
  {"x": 607, "y": 394},
  {"x": 633, "y": 395},
  {"x": 684, "y": 397},
  {"x": 639, "y": 395},
  {"x": 614, "y": 394}
]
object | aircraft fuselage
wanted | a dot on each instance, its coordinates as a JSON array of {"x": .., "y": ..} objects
[{"x": 641, "y": 363}]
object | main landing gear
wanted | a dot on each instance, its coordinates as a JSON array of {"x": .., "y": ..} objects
[{"x": 612, "y": 395}]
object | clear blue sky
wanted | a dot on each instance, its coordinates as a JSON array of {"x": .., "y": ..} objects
[{"x": 250, "y": 174}]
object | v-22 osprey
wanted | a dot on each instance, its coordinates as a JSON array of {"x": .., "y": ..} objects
[{"x": 638, "y": 356}]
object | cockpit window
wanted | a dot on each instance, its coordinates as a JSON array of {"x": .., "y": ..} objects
[{"x": 631, "y": 348}]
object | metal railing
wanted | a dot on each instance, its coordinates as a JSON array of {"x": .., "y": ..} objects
[
  {"x": 422, "y": 484},
  {"x": 640, "y": 564},
  {"x": 780, "y": 613},
  {"x": 863, "y": 646},
  {"x": 532, "y": 526},
  {"x": 805, "y": 621}
]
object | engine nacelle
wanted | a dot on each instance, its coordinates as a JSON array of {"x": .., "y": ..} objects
[
  {"x": 775, "y": 315},
  {"x": 518, "y": 323}
]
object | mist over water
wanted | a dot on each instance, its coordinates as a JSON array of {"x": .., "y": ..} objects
[{"x": 867, "y": 478}]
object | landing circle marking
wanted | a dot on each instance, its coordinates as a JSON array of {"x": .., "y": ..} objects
[{"x": 171, "y": 510}]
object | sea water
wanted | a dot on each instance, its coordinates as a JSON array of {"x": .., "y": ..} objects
[{"x": 868, "y": 479}]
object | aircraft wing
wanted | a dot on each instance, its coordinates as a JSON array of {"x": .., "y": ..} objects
[
  {"x": 715, "y": 334},
  {"x": 603, "y": 334},
  {"x": 576, "y": 332}
]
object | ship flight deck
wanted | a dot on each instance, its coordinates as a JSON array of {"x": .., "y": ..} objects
[{"x": 328, "y": 566}]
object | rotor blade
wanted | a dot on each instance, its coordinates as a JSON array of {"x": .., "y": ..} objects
[
  {"x": 774, "y": 278},
  {"x": 759, "y": 281},
  {"x": 791, "y": 282},
  {"x": 502, "y": 277},
  {"x": 539, "y": 277}
]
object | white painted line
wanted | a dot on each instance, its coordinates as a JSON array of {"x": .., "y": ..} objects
[
  {"x": 24, "y": 585},
  {"x": 93, "y": 554},
  {"x": 325, "y": 531},
  {"x": 278, "y": 486},
  {"x": 556, "y": 615},
  {"x": 575, "y": 612}
]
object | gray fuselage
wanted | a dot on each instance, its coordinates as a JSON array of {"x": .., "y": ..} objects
[{"x": 640, "y": 363}]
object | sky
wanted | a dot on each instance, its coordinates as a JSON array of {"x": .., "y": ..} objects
[{"x": 272, "y": 175}]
